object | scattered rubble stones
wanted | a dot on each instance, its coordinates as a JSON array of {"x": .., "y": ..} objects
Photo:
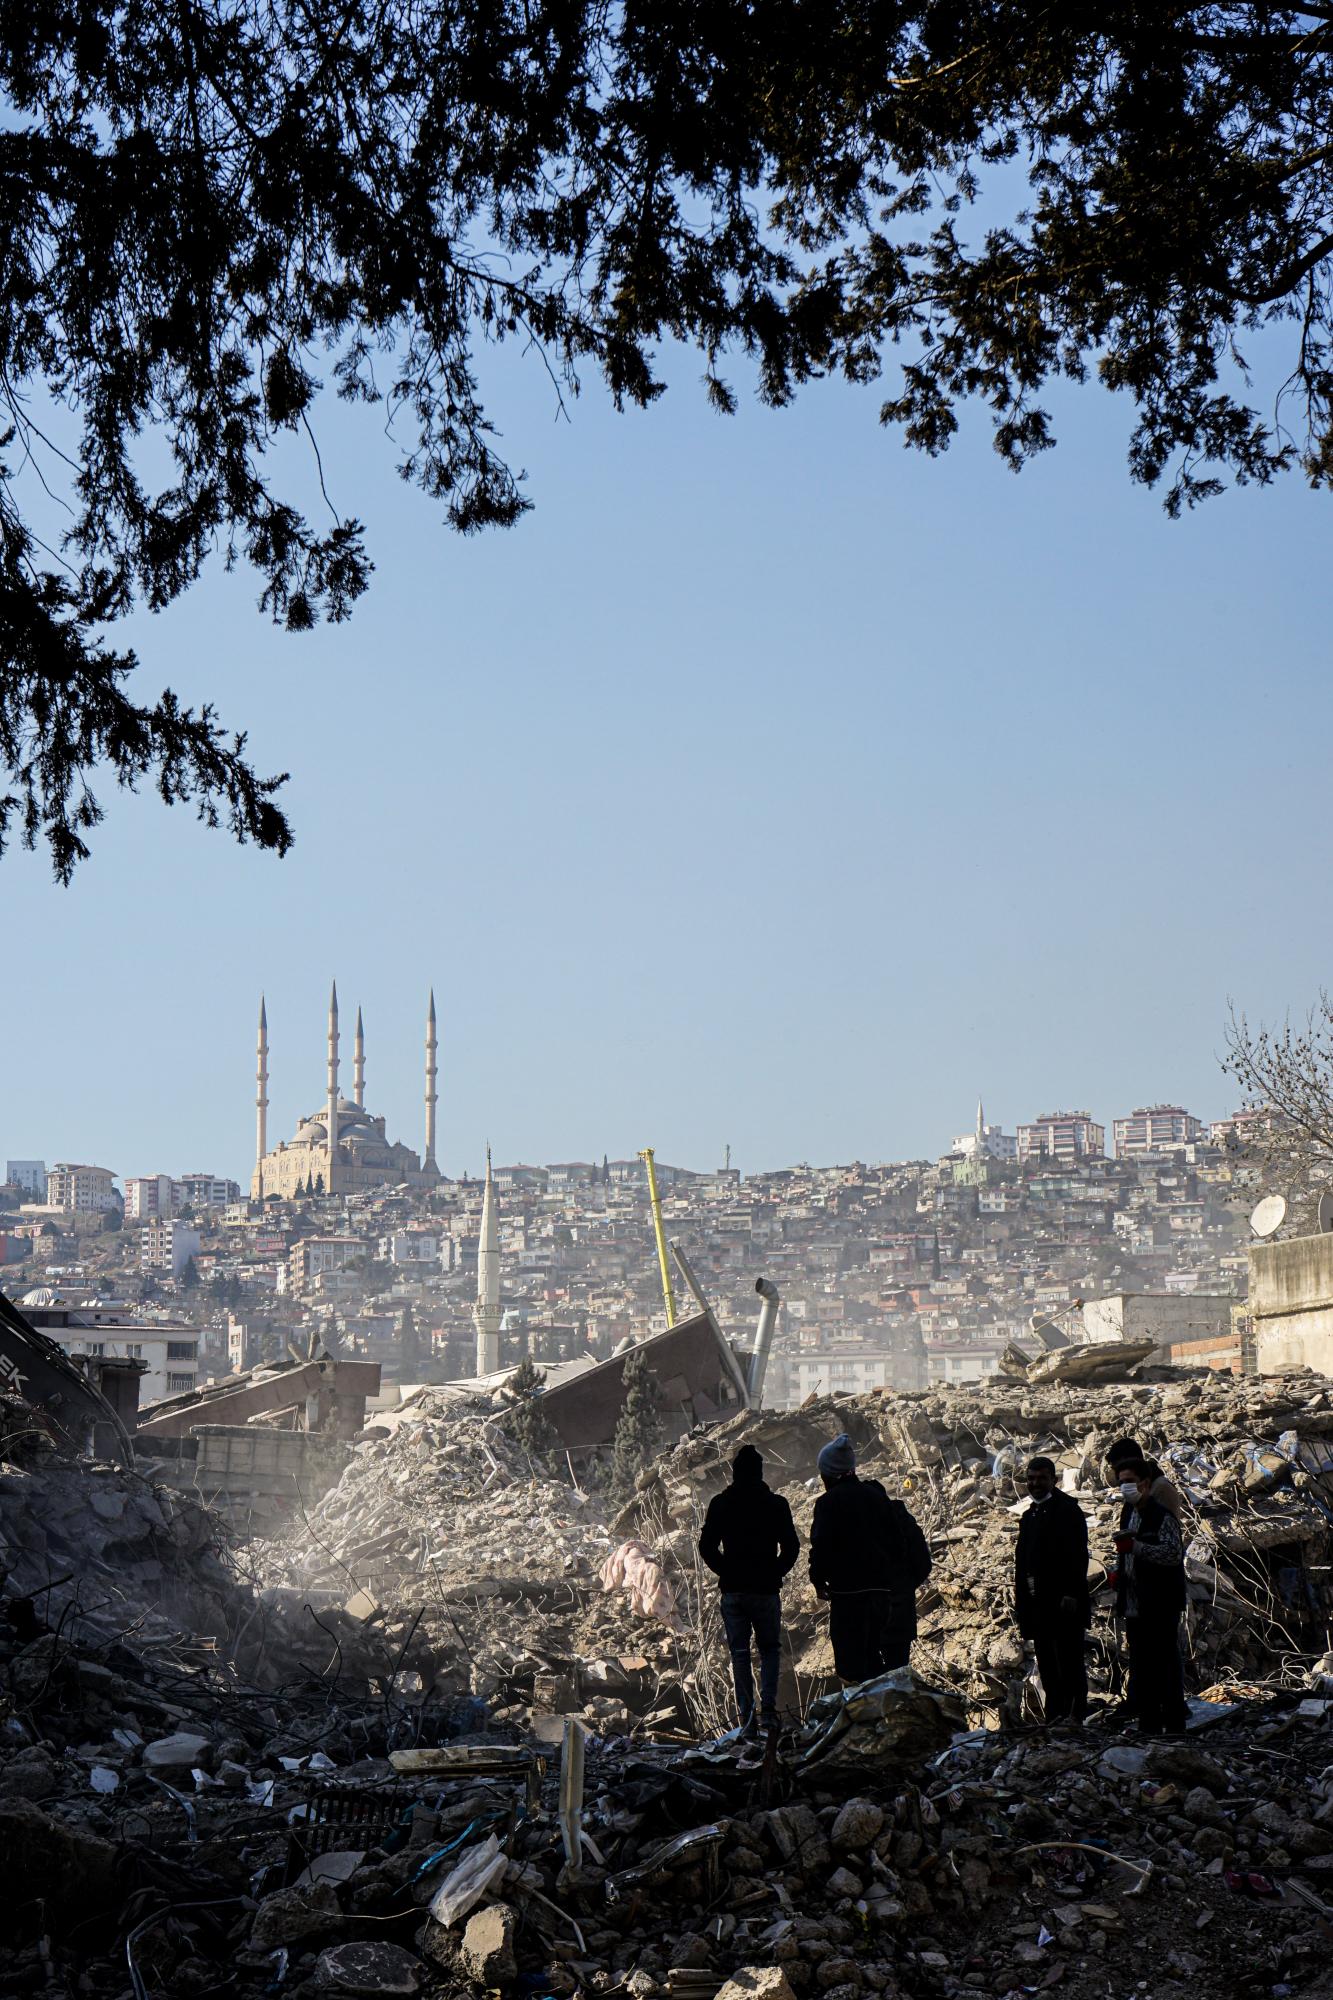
[
  {"x": 917, "y": 1848},
  {"x": 181, "y": 1752},
  {"x": 858, "y": 1823},
  {"x": 757, "y": 1982},
  {"x": 291, "y": 1915},
  {"x": 368, "y": 1969},
  {"x": 488, "y": 1946}
]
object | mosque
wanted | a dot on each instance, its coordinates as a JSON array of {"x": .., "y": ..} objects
[{"x": 341, "y": 1147}]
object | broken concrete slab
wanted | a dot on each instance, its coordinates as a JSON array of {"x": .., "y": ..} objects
[
  {"x": 757, "y": 1982},
  {"x": 369, "y": 1969},
  {"x": 182, "y": 1752},
  {"x": 488, "y": 1946},
  {"x": 289, "y": 1916}
]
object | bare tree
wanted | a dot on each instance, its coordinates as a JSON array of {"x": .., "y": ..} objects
[{"x": 1285, "y": 1076}]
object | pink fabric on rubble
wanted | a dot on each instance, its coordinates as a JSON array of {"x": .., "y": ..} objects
[{"x": 634, "y": 1568}]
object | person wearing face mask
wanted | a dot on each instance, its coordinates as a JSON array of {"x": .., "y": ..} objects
[
  {"x": 1150, "y": 1596},
  {"x": 1051, "y": 1602},
  {"x": 1121, "y": 1458},
  {"x": 1128, "y": 1451}
]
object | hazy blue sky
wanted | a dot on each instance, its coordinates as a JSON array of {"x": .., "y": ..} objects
[{"x": 769, "y": 785}]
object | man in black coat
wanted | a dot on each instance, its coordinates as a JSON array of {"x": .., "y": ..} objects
[
  {"x": 1051, "y": 1601},
  {"x": 868, "y": 1558},
  {"x": 749, "y": 1541}
]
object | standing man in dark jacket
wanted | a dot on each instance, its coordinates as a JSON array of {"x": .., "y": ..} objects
[
  {"x": 749, "y": 1541},
  {"x": 868, "y": 1558},
  {"x": 1051, "y": 1601}
]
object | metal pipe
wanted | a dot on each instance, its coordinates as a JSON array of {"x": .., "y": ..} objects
[
  {"x": 571, "y": 1791},
  {"x": 763, "y": 1340},
  {"x": 739, "y": 1376}
]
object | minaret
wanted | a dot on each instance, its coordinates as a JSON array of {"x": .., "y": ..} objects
[
  {"x": 981, "y": 1132},
  {"x": 487, "y": 1315},
  {"x": 429, "y": 1164},
  {"x": 261, "y": 1101},
  {"x": 359, "y": 1065},
  {"x": 332, "y": 1117}
]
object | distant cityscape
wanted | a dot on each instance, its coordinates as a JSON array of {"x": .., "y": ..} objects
[{"x": 899, "y": 1274}]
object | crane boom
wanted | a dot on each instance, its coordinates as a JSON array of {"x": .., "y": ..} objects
[{"x": 655, "y": 1199}]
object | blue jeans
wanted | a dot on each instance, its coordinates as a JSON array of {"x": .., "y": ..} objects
[{"x": 760, "y": 1612}]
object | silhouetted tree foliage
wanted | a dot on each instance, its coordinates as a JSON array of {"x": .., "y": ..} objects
[
  {"x": 210, "y": 212},
  {"x": 1286, "y": 1076},
  {"x": 525, "y": 1420},
  {"x": 638, "y": 1432}
]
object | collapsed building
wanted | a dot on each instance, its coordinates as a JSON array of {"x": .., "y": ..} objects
[{"x": 458, "y": 1720}]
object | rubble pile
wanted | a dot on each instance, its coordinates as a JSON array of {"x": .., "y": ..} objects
[
  {"x": 446, "y": 1541},
  {"x": 886, "y": 1851},
  {"x": 1253, "y": 1461},
  {"x": 404, "y": 1807},
  {"x": 101, "y": 1552},
  {"x": 448, "y": 1559}
]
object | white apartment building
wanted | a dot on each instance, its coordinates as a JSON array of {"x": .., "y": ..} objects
[
  {"x": 1154, "y": 1128},
  {"x": 170, "y": 1351},
  {"x": 995, "y": 1144},
  {"x": 1061, "y": 1135},
  {"x": 207, "y": 1191},
  {"x": 414, "y": 1246},
  {"x": 320, "y": 1257},
  {"x": 30, "y": 1175},
  {"x": 962, "y": 1360},
  {"x": 167, "y": 1245},
  {"x": 83, "y": 1190},
  {"x": 149, "y": 1195},
  {"x": 851, "y": 1372}
]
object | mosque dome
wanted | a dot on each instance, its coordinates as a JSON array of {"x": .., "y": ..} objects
[
  {"x": 43, "y": 1296},
  {"x": 364, "y": 1155}
]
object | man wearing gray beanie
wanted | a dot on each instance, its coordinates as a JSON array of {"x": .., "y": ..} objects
[{"x": 868, "y": 1558}]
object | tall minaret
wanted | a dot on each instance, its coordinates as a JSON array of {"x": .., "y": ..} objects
[
  {"x": 487, "y": 1315},
  {"x": 359, "y": 1065},
  {"x": 261, "y": 1101},
  {"x": 429, "y": 1164},
  {"x": 332, "y": 1118},
  {"x": 981, "y": 1132}
]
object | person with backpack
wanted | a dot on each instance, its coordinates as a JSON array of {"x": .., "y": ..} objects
[
  {"x": 868, "y": 1559},
  {"x": 749, "y": 1541},
  {"x": 1052, "y": 1605}
]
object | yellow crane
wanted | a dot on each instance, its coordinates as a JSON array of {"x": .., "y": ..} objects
[{"x": 655, "y": 1199}]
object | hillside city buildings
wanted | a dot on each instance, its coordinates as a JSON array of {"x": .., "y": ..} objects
[{"x": 894, "y": 1274}]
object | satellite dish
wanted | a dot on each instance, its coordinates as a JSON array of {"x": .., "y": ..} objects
[
  {"x": 1268, "y": 1216},
  {"x": 1324, "y": 1212}
]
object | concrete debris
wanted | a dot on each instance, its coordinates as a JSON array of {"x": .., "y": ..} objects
[
  {"x": 488, "y": 1946},
  {"x": 181, "y": 1752},
  {"x": 1089, "y": 1361},
  {"x": 1253, "y": 1461},
  {"x": 368, "y": 1969},
  {"x": 309, "y": 1832},
  {"x": 886, "y": 1724},
  {"x": 501, "y": 1582}
]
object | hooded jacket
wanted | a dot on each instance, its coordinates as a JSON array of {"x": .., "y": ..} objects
[{"x": 749, "y": 1539}]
